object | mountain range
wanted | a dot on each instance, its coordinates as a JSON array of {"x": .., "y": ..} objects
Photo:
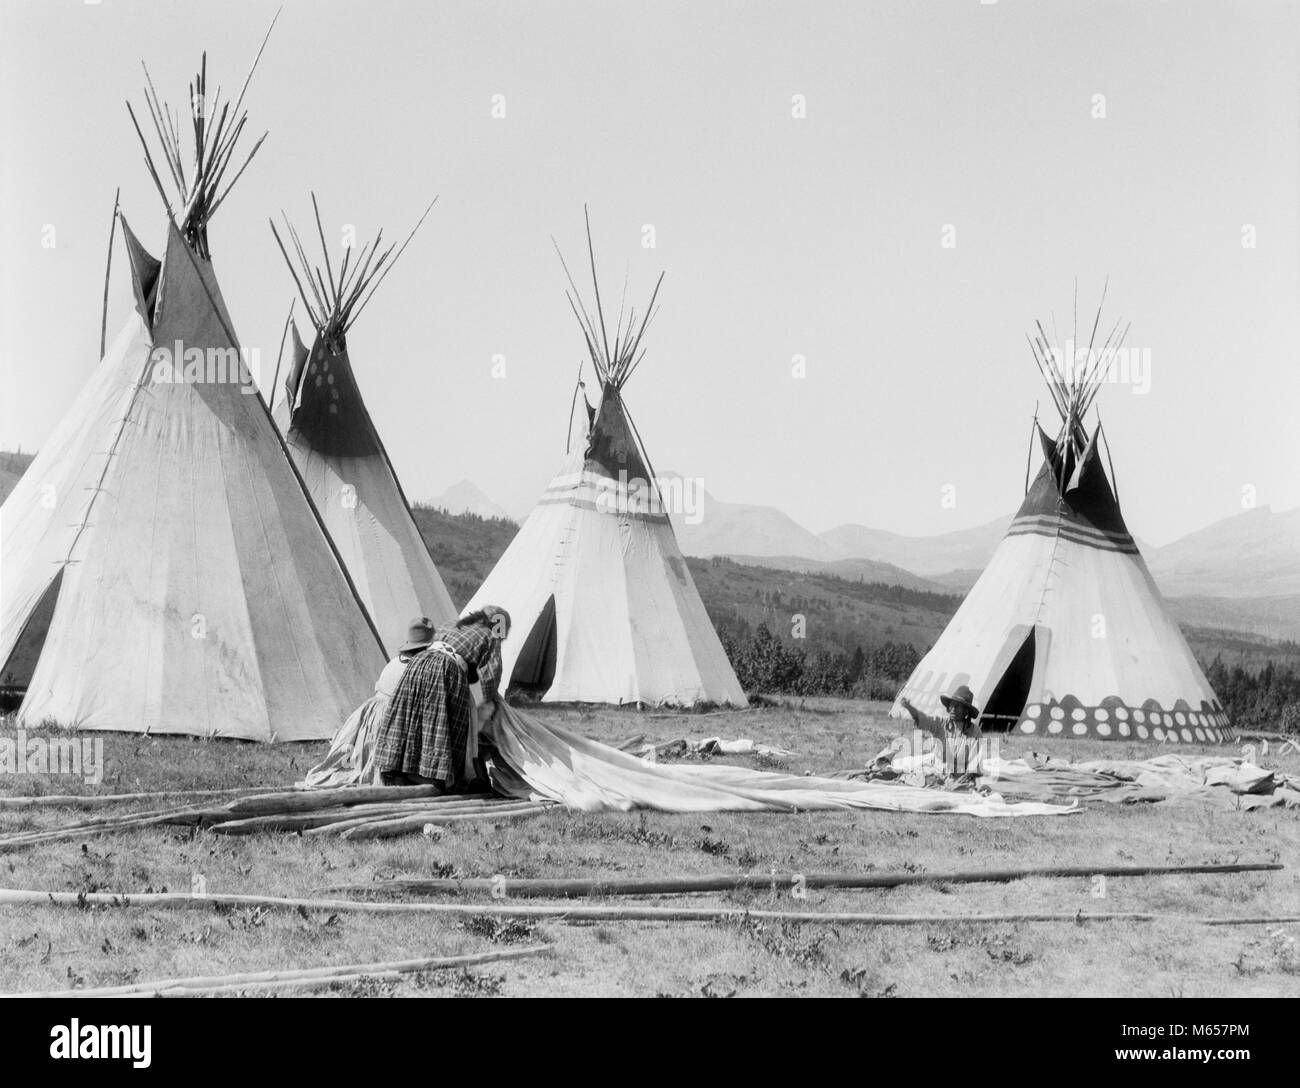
[{"x": 1252, "y": 555}]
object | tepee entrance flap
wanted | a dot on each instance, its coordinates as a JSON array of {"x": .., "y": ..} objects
[
  {"x": 1016, "y": 673},
  {"x": 17, "y": 670}
]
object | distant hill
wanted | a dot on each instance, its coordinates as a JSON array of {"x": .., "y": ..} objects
[
  {"x": 12, "y": 466},
  {"x": 838, "y": 614},
  {"x": 465, "y": 547},
  {"x": 957, "y": 581},
  {"x": 1252, "y": 554},
  {"x": 732, "y": 528},
  {"x": 1268, "y": 617},
  {"x": 466, "y": 498},
  {"x": 924, "y": 555},
  {"x": 852, "y": 570}
]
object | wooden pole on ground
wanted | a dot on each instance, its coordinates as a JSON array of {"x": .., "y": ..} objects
[
  {"x": 325, "y": 817},
  {"x": 599, "y": 886},
  {"x": 386, "y": 828},
  {"x": 104, "y": 800},
  {"x": 13, "y": 897},
  {"x": 286, "y": 801},
  {"x": 312, "y": 977},
  {"x": 187, "y": 816}
]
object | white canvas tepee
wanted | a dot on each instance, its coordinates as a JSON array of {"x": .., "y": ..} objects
[
  {"x": 163, "y": 569},
  {"x": 1065, "y": 633},
  {"x": 337, "y": 449},
  {"x": 603, "y": 606}
]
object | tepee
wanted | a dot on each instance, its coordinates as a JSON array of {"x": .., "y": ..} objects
[
  {"x": 163, "y": 569},
  {"x": 337, "y": 449},
  {"x": 603, "y": 606},
  {"x": 1065, "y": 633}
]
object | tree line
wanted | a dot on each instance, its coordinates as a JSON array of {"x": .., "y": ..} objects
[
  {"x": 1264, "y": 698},
  {"x": 763, "y": 663}
]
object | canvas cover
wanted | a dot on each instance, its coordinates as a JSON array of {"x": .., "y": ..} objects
[
  {"x": 337, "y": 450},
  {"x": 557, "y": 765},
  {"x": 199, "y": 593},
  {"x": 598, "y": 554},
  {"x": 1068, "y": 595}
]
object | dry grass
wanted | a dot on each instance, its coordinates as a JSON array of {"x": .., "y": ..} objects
[{"x": 49, "y": 948}]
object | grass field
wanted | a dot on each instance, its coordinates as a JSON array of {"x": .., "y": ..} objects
[{"x": 56, "y": 948}]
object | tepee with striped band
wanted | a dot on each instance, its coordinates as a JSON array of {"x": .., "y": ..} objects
[
  {"x": 163, "y": 567},
  {"x": 1065, "y": 633},
  {"x": 337, "y": 448},
  {"x": 603, "y": 606}
]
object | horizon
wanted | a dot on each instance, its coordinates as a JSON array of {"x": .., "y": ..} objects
[
  {"x": 811, "y": 244},
  {"x": 519, "y": 516}
]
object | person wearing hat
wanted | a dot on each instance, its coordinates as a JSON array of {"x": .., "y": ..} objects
[
  {"x": 958, "y": 734},
  {"x": 429, "y": 733},
  {"x": 350, "y": 760}
]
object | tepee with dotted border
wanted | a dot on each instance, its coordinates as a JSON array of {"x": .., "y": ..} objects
[
  {"x": 162, "y": 568},
  {"x": 603, "y": 606},
  {"x": 337, "y": 448},
  {"x": 1065, "y": 633}
]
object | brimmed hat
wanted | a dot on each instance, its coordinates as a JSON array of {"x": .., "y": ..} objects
[
  {"x": 419, "y": 634},
  {"x": 963, "y": 696}
]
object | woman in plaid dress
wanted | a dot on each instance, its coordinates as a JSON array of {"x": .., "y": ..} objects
[
  {"x": 430, "y": 722},
  {"x": 351, "y": 758}
]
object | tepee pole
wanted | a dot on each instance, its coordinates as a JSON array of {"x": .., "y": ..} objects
[
  {"x": 275, "y": 382},
  {"x": 573, "y": 407},
  {"x": 1114, "y": 483},
  {"x": 108, "y": 269},
  {"x": 379, "y": 279},
  {"x": 1029, "y": 454},
  {"x": 595, "y": 282}
]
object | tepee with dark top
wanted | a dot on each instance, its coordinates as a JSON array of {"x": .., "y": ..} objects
[
  {"x": 164, "y": 569},
  {"x": 337, "y": 448},
  {"x": 1065, "y": 633},
  {"x": 603, "y": 605}
]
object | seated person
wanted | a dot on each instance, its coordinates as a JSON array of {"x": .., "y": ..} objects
[
  {"x": 351, "y": 758},
  {"x": 959, "y": 734}
]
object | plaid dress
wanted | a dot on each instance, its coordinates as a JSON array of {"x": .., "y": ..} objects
[{"x": 426, "y": 727}]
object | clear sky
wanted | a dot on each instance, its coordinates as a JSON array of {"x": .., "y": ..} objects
[{"x": 819, "y": 236}]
